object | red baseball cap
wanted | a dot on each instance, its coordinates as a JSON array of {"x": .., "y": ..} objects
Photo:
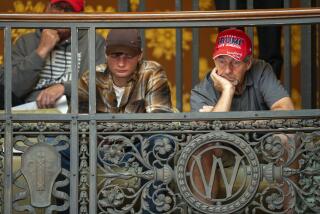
[
  {"x": 78, "y": 5},
  {"x": 234, "y": 43}
]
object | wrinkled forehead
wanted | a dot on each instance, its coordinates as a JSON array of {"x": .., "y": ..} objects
[{"x": 226, "y": 58}]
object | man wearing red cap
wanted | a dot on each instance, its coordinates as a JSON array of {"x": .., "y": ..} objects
[
  {"x": 128, "y": 84},
  {"x": 42, "y": 59},
  {"x": 238, "y": 82}
]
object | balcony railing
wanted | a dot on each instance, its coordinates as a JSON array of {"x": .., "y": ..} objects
[{"x": 157, "y": 163}]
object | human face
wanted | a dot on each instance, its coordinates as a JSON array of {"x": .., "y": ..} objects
[
  {"x": 58, "y": 8},
  {"x": 122, "y": 65},
  {"x": 231, "y": 69}
]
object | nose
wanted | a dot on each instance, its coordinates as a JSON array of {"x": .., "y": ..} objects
[
  {"x": 121, "y": 61},
  {"x": 228, "y": 69}
]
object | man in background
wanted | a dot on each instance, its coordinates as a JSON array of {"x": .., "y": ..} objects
[{"x": 42, "y": 60}]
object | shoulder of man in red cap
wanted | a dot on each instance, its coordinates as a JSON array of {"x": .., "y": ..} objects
[
  {"x": 77, "y": 5},
  {"x": 234, "y": 43}
]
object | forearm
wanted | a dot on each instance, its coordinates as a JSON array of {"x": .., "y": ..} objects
[
  {"x": 284, "y": 103},
  {"x": 25, "y": 73},
  {"x": 224, "y": 102}
]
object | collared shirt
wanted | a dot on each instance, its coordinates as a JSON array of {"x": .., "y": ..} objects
[
  {"x": 146, "y": 91},
  {"x": 261, "y": 90}
]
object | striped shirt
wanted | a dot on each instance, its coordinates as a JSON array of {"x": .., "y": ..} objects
[{"x": 57, "y": 69}]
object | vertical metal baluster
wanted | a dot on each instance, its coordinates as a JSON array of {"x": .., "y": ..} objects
[
  {"x": 250, "y": 29},
  {"x": 92, "y": 73},
  {"x": 74, "y": 147},
  {"x": 195, "y": 48},
  {"x": 142, "y": 8},
  {"x": 123, "y": 5},
  {"x": 306, "y": 73},
  {"x": 232, "y": 5},
  {"x": 287, "y": 53},
  {"x": 92, "y": 124},
  {"x": 8, "y": 127},
  {"x": 179, "y": 60}
]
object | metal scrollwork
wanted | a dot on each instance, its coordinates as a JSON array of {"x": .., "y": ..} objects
[
  {"x": 292, "y": 172},
  {"x": 194, "y": 166},
  {"x": 137, "y": 171}
]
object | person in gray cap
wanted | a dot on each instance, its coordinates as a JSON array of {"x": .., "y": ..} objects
[{"x": 128, "y": 84}]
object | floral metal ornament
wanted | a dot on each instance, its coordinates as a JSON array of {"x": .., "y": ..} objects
[{"x": 135, "y": 171}]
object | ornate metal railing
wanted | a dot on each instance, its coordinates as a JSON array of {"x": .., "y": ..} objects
[
  {"x": 157, "y": 163},
  {"x": 168, "y": 163}
]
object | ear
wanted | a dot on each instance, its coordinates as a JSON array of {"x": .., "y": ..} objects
[
  {"x": 249, "y": 63},
  {"x": 140, "y": 56}
]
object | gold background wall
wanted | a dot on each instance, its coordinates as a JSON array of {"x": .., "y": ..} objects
[{"x": 160, "y": 43}]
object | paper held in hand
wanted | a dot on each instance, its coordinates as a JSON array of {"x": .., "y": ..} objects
[{"x": 61, "y": 106}]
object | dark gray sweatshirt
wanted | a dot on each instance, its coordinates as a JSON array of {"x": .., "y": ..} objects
[{"x": 31, "y": 73}]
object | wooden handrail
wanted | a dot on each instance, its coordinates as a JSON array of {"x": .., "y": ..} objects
[{"x": 172, "y": 16}]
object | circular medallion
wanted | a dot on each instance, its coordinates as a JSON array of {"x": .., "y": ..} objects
[{"x": 218, "y": 172}]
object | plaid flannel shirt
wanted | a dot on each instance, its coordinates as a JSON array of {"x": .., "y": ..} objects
[{"x": 146, "y": 91}]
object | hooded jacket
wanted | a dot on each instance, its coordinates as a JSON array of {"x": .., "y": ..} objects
[{"x": 31, "y": 73}]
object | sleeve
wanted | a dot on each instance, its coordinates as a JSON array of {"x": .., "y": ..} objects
[
  {"x": 83, "y": 93},
  {"x": 201, "y": 95},
  {"x": 100, "y": 59},
  {"x": 270, "y": 87},
  {"x": 83, "y": 89},
  {"x": 26, "y": 67},
  {"x": 158, "y": 96}
]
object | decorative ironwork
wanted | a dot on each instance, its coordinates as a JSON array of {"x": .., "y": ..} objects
[
  {"x": 286, "y": 184},
  {"x": 209, "y": 125},
  {"x": 40, "y": 166},
  {"x": 151, "y": 167},
  {"x": 137, "y": 173},
  {"x": 84, "y": 175},
  {"x": 289, "y": 188},
  {"x": 41, "y": 127},
  {"x": 217, "y": 150}
]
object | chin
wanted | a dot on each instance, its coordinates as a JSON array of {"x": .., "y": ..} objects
[{"x": 122, "y": 75}]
